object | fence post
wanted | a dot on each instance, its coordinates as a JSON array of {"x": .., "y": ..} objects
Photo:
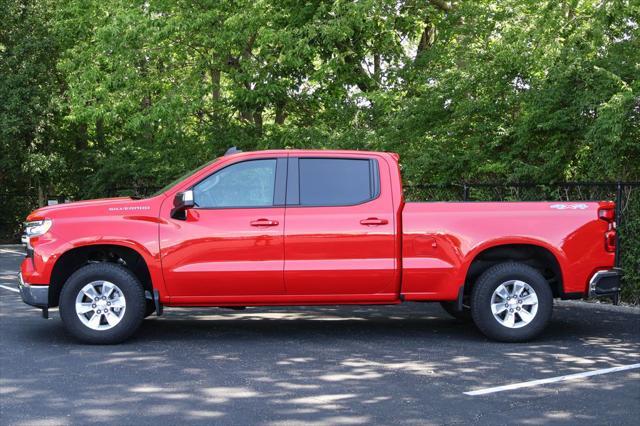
[{"x": 465, "y": 192}]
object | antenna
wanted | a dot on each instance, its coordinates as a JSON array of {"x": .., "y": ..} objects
[{"x": 232, "y": 150}]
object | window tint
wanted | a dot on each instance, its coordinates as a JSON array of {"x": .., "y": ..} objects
[
  {"x": 336, "y": 182},
  {"x": 246, "y": 184}
]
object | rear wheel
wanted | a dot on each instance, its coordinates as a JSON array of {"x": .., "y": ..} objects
[
  {"x": 102, "y": 303},
  {"x": 511, "y": 302}
]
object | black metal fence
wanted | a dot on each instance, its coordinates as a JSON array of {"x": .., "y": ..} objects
[{"x": 621, "y": 192}]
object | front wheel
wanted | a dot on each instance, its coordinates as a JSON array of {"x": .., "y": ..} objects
[
  {"x": 511, "y": 302},
  {"x": 102, "y": 303}
]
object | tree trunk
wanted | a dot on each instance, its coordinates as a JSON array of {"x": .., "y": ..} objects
[
  {"x": 442, "y": 5},
  {"x": 257, "y": 119},
  {"x": 281, "y": 115},
  {"x": 427, "y": 38},
  {"x": 100, "y": 131},
  {"x": 215, "y": 84},
  {"x": 81, "y": 141},
  {"x": 42, "y": 199}
]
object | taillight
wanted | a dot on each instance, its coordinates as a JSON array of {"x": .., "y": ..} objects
[
  {"x": 610, "y": 241},
  {"x": 608, "y": 214}
]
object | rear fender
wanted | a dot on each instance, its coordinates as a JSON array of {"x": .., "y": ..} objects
[{"x": 560, "y": 256}]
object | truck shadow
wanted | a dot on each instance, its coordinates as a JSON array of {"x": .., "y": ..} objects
[{"x": 424, "y": 322}]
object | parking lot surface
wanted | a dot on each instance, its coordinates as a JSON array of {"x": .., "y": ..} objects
[{"x": 405, "y": 364}]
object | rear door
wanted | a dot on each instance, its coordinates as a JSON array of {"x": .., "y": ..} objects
[{"x": 340, "y": 232}]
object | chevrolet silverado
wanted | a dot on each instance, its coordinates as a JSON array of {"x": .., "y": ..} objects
[{"x": 312, "y": 227}]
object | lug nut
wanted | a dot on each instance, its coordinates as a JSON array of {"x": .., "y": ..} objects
[
  {"x": 510, "y": 310},
  {"x": 93, "y": 306},
  {"x": 98, "y": 311},
  {"x": 108, "y": 303},
  {"x": 104, "y": 297},
  {"x": 518, "y": 308}
]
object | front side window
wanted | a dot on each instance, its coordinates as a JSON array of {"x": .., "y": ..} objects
[
  {"x": 245, "y": 184},
  {"x": 336, "y": 181}
]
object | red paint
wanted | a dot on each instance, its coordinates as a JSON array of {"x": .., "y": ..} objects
[
  {"x": 219, "y": 253},
  {"x": 375, "y": 252}
]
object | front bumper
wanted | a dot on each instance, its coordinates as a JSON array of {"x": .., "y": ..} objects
[
  {"x": 605, "y": 283},
  {"x": 34, "y": 295}
]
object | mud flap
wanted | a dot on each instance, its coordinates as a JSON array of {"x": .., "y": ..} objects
[{"x": 156, "y": 302}]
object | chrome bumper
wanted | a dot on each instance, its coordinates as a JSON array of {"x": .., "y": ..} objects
[
  {"x": 34, "y": 295},
  {"x": 605, "y": 283}
]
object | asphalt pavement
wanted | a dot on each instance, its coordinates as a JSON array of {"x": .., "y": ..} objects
[{"x": 404, "y": 364}]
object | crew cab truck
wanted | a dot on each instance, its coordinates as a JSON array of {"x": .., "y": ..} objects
[{"x": 303, "y": 227}]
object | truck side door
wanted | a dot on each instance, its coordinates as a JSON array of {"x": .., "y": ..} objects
[
  {"x": 340, "y": 234},
  {"x": 232, "y": 242}
]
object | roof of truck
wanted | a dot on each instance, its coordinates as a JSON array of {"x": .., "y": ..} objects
[{"x": 313, "y": 151}]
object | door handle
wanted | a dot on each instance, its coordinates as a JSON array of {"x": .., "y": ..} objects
[
  {"x": 373, "y": 221},
  {"x": 264, "y": 222}
]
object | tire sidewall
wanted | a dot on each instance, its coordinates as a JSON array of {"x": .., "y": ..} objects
[
  {"x": 483, "y": 292},
  {"x": 131, "y": 289}
]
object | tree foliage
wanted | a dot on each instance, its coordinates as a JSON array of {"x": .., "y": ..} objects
[{"x": 97, "y": 97}]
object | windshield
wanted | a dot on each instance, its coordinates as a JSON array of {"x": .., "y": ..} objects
[{"x": 182, "y": 177}]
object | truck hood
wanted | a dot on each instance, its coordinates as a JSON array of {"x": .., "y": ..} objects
[{"x": 102, "y": 206}]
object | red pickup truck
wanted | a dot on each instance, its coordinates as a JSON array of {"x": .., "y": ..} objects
[{"x": 309, "y": 228}]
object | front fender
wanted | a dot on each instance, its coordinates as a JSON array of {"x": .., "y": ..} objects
[{"x": 138, "y": 234}]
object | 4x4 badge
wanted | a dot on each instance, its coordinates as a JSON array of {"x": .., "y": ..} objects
[{"x": 569, "y": 206}]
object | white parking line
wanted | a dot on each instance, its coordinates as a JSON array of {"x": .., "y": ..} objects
[
  {"x": 3, "y": 251},
  {"x": 10, "y": 288},
  {"x": 551, "y": 380}
]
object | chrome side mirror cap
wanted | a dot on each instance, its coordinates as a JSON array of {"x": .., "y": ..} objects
[{"x": 181, "y": 203}]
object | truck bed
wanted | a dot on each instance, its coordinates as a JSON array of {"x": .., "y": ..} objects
[{"x": 440, "y": 240}]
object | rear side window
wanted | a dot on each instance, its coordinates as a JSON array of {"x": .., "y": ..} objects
[{"x": 337, "y": 181}]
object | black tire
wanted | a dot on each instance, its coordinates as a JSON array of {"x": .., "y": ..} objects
[
  {"x": 450, "y": 307},
  {"x": 481, "y": 299},
  {"x": 131, "y": 289}
]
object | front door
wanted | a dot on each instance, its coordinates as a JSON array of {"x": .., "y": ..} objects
[
  {"x": 231, "y": 243},
  {"x": 340, "y": 234}
]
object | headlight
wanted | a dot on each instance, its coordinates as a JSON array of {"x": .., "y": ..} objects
[{"x": 37, "y": 227}]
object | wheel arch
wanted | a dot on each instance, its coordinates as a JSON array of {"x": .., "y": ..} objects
[
  {"x": 534, "y": 254},
  {"x": 76, "y": 257}
]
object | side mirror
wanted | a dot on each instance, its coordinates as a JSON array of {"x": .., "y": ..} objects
[{"x": 182, "y": 202}]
